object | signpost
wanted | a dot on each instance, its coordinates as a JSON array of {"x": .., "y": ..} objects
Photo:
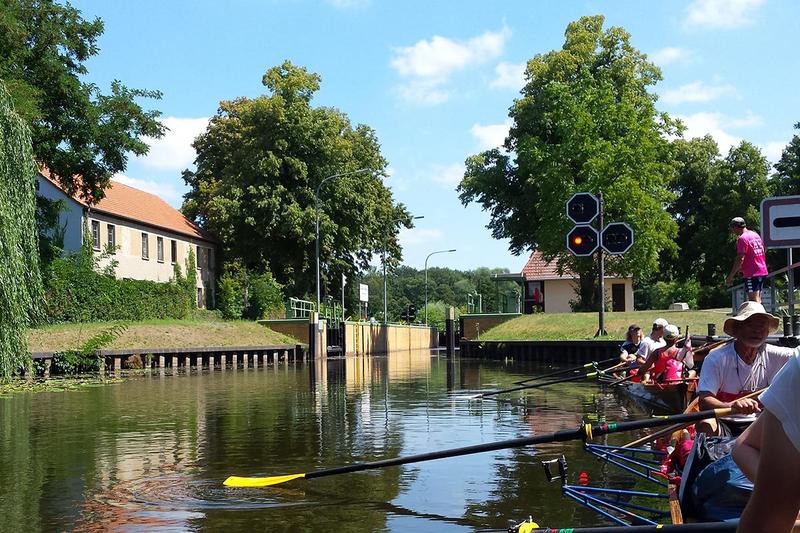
[
  {"x": 780, "y": 228},
  {"x": 583, "y": 239},
  {"x": 363, "y": 295}
]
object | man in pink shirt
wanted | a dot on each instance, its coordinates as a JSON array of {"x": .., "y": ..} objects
[{"x": 750, "y": 259}]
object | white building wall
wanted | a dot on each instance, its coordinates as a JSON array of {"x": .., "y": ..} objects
[{"x": 71, "y": 219}]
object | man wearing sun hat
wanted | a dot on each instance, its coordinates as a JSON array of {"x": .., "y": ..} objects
[
  {"x": 653, "y": 341},
  {"x": 742, "y": 366},
  {"x": 750, "y": 259}
]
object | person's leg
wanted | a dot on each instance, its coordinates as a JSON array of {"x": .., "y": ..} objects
[
  {"x": 753, "y": 288},
  {"x": 754, "y": 296}
]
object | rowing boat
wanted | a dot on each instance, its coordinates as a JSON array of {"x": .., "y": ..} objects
[{"x": 661, "y": 398}]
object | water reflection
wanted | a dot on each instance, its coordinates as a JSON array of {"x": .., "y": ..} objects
[{"x": 150, "y": 453}]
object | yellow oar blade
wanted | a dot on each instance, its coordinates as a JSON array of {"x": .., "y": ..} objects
[{"x": 234, "y": 481}]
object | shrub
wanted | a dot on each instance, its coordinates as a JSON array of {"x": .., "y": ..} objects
[
  {"x": 264, "y": 297},
  {"x": 230, "y": 297},
  {"x": 662, "y": 294}
]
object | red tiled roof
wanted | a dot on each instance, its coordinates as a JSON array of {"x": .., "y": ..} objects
[
  {"x": 537, "y": 268},
  {"x": 139, "y": 206}
]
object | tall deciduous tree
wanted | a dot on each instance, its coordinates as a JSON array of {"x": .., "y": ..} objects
[
  {"x": 76, "y": 129},
  {"x": 711, "y": 190},
  {"x": 585, "y": 121},
  {"x": 787, "y": 169},
  {"x": 258, "y": 165},
  {"x": 20, "y": 284}
]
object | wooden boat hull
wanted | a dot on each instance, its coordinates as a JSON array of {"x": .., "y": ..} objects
[{"x": 669, "y": 398}]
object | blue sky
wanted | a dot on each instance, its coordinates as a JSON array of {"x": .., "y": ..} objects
[{"x": 436, "y": 79}]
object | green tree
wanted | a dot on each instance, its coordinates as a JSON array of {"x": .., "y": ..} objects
[
  {"x": 585, "y": 121},
  {"x": 258, "y": 165},
  {"x": 20, "y": 283},
  {"x": 75, "y": 128},
  {"x": 787, "y": 169}
]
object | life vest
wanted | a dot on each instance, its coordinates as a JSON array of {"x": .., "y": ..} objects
[{"x": 667, "y": 367}]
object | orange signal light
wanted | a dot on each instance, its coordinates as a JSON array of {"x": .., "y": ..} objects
[{"x": 578, "y": 240}]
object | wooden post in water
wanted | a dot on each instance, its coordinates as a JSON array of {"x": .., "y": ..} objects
[
  {"x": 313, "y": 335},
  {"x": 450, "y": 332}
]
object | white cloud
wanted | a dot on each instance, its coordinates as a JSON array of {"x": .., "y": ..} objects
[
  {"x": 166, "y": 191},
  {"x": 715, "y": 124},
  {"x": 414, "y": 236},
  {"x": 427, "y": 65},
  {"x": 491, "y": 136},
  {"x": 509, "y": 76},
  {"x": 668, "y": 55},
  {"x": 722, "y": 14},
  {"x": 773, "y": 150},
  {"x": 450, "y": 175},
  {"x": 174, "y": 150},
  {"x": 697, "y": 91}
]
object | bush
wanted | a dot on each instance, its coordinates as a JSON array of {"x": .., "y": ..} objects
[
  {"x": 661, "y": 294},
  {"x": 264, "y": 297},
  {"x": 436, "y": 314},
  {"x": 75, "y": 292},
  {"x": 230, "y": 297}
]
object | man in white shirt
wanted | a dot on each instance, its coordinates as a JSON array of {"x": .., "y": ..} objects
[
  {"x": 768, "y": 452},
  {"x": 652, "y": 342},
  {"x": 740, "y": 367}
]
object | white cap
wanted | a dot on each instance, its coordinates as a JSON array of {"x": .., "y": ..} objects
[
  {"x": 671, "y": 331},
  {"x": 660, "y": 322}
]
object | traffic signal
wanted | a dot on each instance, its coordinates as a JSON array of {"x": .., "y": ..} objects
[
  {"x": 583, "y": 207},
  {"x": 410, "y": 314},
  {"x": 617, "y": 238},
  {"x": 582, "y": 240}
]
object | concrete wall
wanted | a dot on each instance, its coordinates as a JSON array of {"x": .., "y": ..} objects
[
  {"x": 294, "y": 327},
  {"x": 376, "y": 339},
  {"x": 475, "y": 324}
]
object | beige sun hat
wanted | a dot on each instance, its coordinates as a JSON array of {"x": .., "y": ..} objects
[
  {"x": 745, "y": 311},
  {"x": 671, "y": 332}
]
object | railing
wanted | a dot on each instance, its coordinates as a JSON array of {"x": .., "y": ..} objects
[
  {"x": 297, "y": 308},
  {"x": 771, "y": 296}
]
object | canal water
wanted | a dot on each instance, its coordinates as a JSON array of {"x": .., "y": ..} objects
[{"x": 150, "y": 453}]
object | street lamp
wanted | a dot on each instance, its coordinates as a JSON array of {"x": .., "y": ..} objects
[
  {"x": 385, "y": 315},
  {"x": 316, "y": 211},
  {"x": 426, "y": 278}
]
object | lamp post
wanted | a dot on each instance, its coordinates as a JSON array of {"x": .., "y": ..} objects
[
  {"x": 426, "y": 278},
  {"x": 385, "y": 315},
  {"x": 316, "y": 211}
]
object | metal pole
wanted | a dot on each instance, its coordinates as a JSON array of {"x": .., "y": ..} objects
[
  {"x": 343, "y": 282},
  {"x": 601, "y": 329},
  {"x": 426, "y": 278},
  {"x": 790, "y": 296},
  {"x": 385, "y": 316},
  {"x": 316, "y": 212}
]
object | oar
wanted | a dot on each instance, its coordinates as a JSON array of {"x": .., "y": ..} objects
[
  {"x": 720, "y": 527},
  {"x": 537, "y": 385},
  {"x": 584, "y": 432},
  {"x": 676, "y": 427},
  {"x": 567, "y": 371}
]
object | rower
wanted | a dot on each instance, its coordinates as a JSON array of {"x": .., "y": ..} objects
[
  {"x": 668, "y": 362},
  {"x": 653, "y": 341},
  {"x": 745, "y": 365}
]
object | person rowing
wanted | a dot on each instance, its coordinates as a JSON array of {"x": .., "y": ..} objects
[
  {"x": 629, "y": 348},
  {"x": 668, "y": 362},
  {"x": 740, "y": 367}
]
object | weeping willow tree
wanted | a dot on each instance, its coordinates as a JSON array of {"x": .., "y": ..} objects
[{"x": 20, "y": 284}]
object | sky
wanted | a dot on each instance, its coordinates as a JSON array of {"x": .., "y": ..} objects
[{"x": 436, "y": 79}]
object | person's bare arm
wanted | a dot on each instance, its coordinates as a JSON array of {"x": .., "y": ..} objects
[
  {"x": 748, "y": 448},
  {"x": 737, "y": 266},
  {"x": 776, "y": 497},
  {"x": 651, "y": 358},
  {"x": 742, "y": 406}
]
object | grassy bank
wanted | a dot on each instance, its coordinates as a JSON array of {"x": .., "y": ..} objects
[
  {"x": 577, "y": 326},
  {"x": 158, "y": 334}
]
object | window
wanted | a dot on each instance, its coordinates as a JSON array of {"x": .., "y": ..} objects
[
  {"x": 160, "y": 249},
  {"x": 145, "y": 247},
  {"x": 112, "y": 238},
  {"x": 199, "y": 262},
  {"x": 200, "y": 300},
  {"x": 173, "y": 250},
  {"x": 95, "y": 234}
]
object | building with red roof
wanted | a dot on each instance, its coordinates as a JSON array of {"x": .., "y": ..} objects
[{"x": 145, "y": 234}]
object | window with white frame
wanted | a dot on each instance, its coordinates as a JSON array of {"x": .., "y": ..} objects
[
  {"x": 96, "y": 234},
  {"x": 145, "y": 246},
  {"x": 160, "y": 249},
  {"x": 173, "y": 251},
  {"x": 112, "y": 238}
]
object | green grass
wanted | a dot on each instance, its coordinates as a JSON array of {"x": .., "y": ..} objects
[
  {"x": 191, "y": 333},
  {"x": 580, "y": 326}
]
